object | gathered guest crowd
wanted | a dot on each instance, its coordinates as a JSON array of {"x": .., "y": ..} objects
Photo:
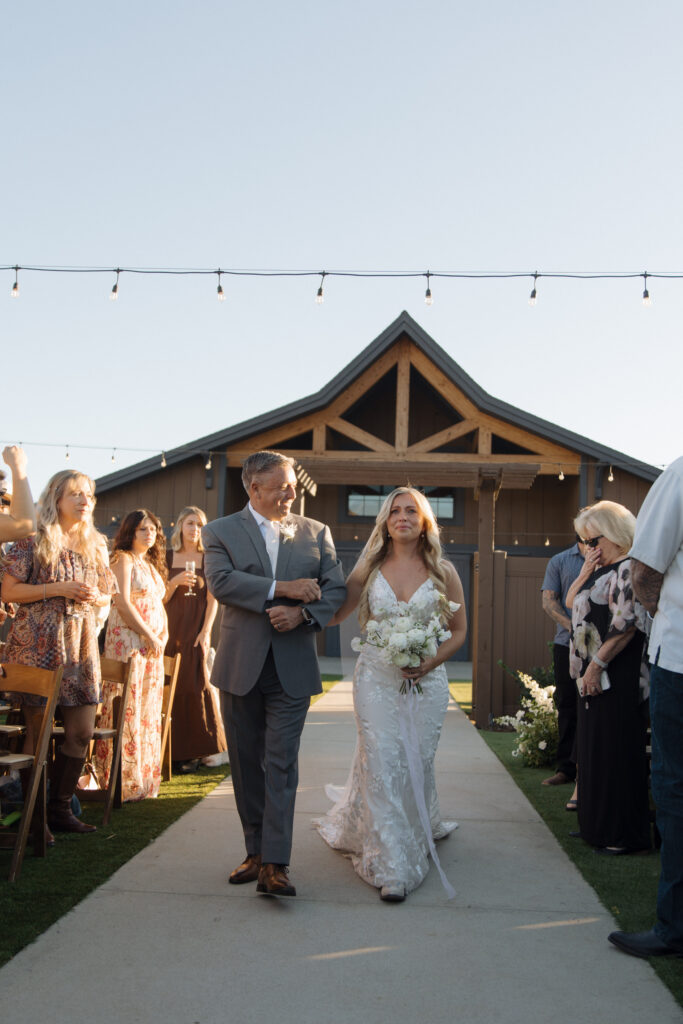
[{"x": 279, "y": 580}]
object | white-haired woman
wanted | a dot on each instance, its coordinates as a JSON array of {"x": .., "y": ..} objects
[
  {"x": 196, "y": 727},
  {"x": 606, "y": 659},
  {"x": 58, "y": 578},
  {"x": 378, "y": 818}
]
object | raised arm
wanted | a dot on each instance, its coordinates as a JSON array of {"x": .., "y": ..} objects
[{"x": 21, "y": 520}]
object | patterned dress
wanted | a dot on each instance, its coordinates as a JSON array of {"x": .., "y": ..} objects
[
  {"x": 57, "y": 631},
  {"x": 141, "y": 752},
  {"x": 613, "y": 791}
]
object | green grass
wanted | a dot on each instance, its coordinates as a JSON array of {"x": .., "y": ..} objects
[
  {"x": 461, "y": 692},
  {"x": 627, "y": 886},
  {"x": 49, "y": 887}
]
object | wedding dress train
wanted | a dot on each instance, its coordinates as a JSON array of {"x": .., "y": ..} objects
[{"x": 376, "y": 817}]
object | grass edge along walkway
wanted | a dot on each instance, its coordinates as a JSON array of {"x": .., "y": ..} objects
[
  {"x": 626, "y": 886},
  {"x": 48, "y": 888}
]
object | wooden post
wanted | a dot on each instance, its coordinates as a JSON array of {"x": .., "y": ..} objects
[{"x": 483, "y": 682}]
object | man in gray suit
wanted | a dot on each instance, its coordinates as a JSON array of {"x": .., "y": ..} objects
[{"x": 279, "y": 581}]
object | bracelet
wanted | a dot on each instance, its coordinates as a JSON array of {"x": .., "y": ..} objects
[{"x": 599, "y": 661}]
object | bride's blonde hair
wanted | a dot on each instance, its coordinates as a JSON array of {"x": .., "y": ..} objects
[
  {"x": 90, "y": 543},
  {"x": 377, "y": 547}
]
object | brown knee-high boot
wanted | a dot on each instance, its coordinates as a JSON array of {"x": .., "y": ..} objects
[{"x": 65, "y": 775}]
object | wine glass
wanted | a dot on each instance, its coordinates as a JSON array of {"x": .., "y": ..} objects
[{"x": 190, "y": 566}]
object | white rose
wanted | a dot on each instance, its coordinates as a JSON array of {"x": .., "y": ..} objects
[
  {"x": 542, "y": 745},
  {"x": 372, "y": 625},
  {"x": 356, "y": 644},
  {"x": 398, "y": 641},
  {"x": 430, "y": 648},
  {"x": 416, "y": 636},
  {"x": 414, "y": 661},
  {"x": 401, "y": 660}
]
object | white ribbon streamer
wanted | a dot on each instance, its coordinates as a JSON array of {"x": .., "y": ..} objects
[{"x": 406, "y": 722}]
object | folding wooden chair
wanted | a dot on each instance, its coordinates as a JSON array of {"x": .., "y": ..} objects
[
  {"x": 119, "y": 672},
  {"x": 171, "y": 670},
  {"x": 41, "y": 683}
]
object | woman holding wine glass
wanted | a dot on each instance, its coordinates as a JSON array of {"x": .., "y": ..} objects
[
  {"x": 137, "y": 629},
  {"x": 196, "y": 726}
]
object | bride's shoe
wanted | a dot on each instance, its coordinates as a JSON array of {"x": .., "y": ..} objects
[{"x": 394, "y": 893}]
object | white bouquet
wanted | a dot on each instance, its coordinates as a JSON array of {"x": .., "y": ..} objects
[{"x": 412, "y": 634}]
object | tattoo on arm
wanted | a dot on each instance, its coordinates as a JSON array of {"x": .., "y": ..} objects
[
  {"x": 647, "y": 584},
  {"x": 552, "y": 606}
]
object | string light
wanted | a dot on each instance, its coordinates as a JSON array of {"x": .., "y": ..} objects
[
  {"x": 561, "y": 476},
  {"x": 319, "y": 297},
  {"x": 610, "y": 478},
  {"x": 219, "y": 290},
  {"x": 207, "y": 464},
  {"x": 428, "y": 294},
  {"x": 113, "y": 455},
  {"x": 66, "y": 454},
  {"x": 15, "y": 287},
  {"x": 114, "y": 293},
  {"x": 646, "y": 294},
  {"x": 532, "y": 297},
  {"x": 547, "y": 542},
  {"x": 163, "y": 460}
]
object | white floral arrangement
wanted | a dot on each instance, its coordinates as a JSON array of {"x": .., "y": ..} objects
[
  {"x": 535, "y": 724},
  {"x": 412, "y": 634},
  {"x": 287, "y": 529}
]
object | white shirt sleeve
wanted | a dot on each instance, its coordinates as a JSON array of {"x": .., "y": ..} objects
[{"x": 659, "y": 527}]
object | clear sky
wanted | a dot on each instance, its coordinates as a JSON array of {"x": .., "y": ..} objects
[{"x": 359, "y": 136}]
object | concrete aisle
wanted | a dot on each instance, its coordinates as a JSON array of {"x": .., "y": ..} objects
[{"x": 166, "y": 939}]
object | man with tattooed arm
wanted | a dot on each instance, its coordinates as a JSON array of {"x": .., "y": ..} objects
[{"x": 657, "y": 576}]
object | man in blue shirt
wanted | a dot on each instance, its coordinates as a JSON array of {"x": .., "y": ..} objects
[{"x": 561, "y": 572}]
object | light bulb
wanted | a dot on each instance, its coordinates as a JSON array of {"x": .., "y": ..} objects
[
  {"x": 428, "y": 294},
  {"x": 319, "y": 296},
  {"x": 163, "y": 460},
  {"x": 15, "y": 288},
  {"x": 532, "y": 297},
  {"x": 66, "y": 455},
  {"x": 561, "y": 476},
  {"x": 221, "y": 295},
  {"x": 610, "y": 478},
  {"x": 646, "y": 294},
  {"x": 547, "y": 542},
  {"x": 113, "y": 455},
  {"x": 207, "y": 464}
]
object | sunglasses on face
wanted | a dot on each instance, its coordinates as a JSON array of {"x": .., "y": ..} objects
[{"x": 593, "y": 541}]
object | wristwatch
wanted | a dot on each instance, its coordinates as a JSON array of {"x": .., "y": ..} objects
[{"x": 306, "y": 616}]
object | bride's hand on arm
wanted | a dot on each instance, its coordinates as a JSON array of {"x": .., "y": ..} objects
[{"x": 354, "y": 586}]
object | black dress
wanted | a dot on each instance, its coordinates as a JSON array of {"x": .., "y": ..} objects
[{"x": 613, "y": 796}]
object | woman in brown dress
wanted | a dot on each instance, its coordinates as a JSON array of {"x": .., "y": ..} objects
[{"x": 196, "y": 725}]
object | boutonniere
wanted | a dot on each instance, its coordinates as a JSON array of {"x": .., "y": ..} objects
[{"x": 287, "y": 529}]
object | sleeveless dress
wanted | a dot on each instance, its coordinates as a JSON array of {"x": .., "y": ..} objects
[
  {"x": 141, "y": 752},
  {"x": 376, "y": 818},
  {"x": 196, "y": 725}
]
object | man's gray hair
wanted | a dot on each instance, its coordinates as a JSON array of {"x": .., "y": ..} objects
[{"x": 262, "y": 462}]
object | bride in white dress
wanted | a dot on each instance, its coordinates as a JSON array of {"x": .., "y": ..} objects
[{"x": 376, "y": 817}]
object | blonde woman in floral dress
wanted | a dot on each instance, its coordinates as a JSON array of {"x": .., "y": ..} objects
[
  {"x": 606, "y": 659},
  {"x": 376, "y": 817},
  {"x": 58, "y": 579},
  {"x": 137, "y": 629}
]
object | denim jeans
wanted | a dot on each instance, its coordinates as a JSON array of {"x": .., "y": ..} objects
[{"x": 666, "y": 711}]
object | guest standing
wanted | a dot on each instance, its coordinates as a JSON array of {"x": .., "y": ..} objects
[
  {"x": 196, "y": 727},
  {"x": 137, "y": 629},
  {"x": 57, "y": 579},
  {"x": 606, "y": 655}
]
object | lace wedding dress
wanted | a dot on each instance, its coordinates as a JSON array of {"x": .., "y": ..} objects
[{"x": 376, "y": 818}]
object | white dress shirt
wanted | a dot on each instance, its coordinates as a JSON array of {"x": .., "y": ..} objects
[{"x": 270, "y": 531}]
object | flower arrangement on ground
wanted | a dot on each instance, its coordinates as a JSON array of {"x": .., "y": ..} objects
[
  {"x": 411, "y": 636},
  {"x": 535, "y": 724}
]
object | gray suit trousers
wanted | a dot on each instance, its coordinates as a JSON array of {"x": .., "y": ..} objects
[{"x": 263, "y": 729}]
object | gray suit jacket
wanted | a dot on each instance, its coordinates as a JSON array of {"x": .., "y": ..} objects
[{"x": 239, "y": 575}]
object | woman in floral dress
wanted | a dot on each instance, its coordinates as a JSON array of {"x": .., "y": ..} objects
[
  {"x": 137, "y": 629},
  {"x": 606, "y": 660},
  {"x": 377, "y": 817},
  {"x": 58, "y": 579}
]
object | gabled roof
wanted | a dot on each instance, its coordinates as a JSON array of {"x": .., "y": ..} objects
[{"x": 403, "y": 325}]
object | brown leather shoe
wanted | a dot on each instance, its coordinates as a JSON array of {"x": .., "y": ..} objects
[
  {"x": 248, "y": 871},
  {"x": 274, "y": 881},
  {"x": 558, "y": 779}
]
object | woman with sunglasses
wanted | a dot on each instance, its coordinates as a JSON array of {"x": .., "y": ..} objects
[{"x": 607, "y": 661}]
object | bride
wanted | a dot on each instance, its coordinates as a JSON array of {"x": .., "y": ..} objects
[{"x": 377, "y": 816}]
